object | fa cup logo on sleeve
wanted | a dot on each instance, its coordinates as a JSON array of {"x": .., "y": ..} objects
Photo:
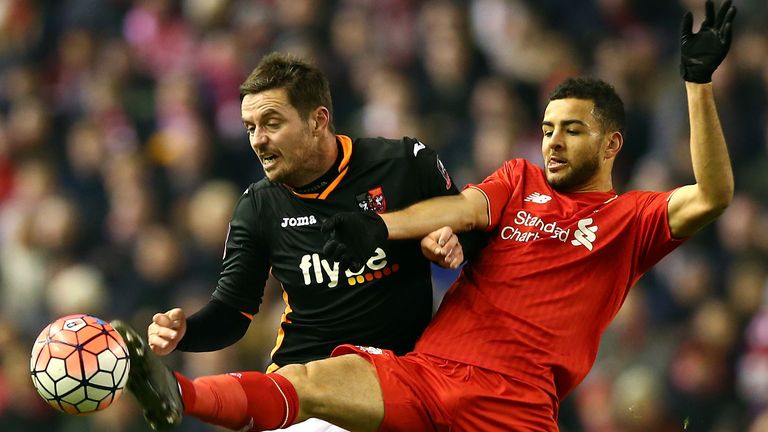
[{"x": 444, "y": 173}]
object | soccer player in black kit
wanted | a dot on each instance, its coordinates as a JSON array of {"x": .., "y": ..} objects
[{"x": 311, "y": 174}]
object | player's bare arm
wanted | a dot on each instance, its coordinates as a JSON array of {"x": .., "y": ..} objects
[
  {"x": 353, "y": 236},
  {"x": 693, "y": 206},
  {"x": 464, "y": 212}
]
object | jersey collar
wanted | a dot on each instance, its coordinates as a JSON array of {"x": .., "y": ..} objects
[{"x": 345, "y": 144}]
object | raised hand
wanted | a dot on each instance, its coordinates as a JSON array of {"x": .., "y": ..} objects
[{"x": 702, "y": 52}]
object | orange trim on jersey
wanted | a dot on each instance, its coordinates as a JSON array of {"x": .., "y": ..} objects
[
  {"x": 346, "y": 147},
  {"x": 273, "y": 367},
  {"x": 247, "y": 315},
  {"x": 283, "y": 319},
  {"x": 307, "y": 196},
  {"x": 333, "y": 185}
]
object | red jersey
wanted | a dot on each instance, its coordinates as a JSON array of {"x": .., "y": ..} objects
[{"x": 536, "y": 300}]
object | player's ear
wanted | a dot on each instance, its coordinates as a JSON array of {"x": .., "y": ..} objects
[
  {"x": 320, "y": 119},
  {"x": 615, "y": 142}
]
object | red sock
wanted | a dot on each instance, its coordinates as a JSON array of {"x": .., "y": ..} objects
[{"x": 266, "y": 401}]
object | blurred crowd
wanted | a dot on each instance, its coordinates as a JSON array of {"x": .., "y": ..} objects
[{"x": 122, "y": 154}]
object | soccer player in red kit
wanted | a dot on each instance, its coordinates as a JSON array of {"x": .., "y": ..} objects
[{"x": 521, "y": 326}]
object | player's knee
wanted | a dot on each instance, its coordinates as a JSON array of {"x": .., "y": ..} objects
[
  {"x": 308, "y": 388},
  {"x": 318, "y": 384},
  {"x": 296, "y": 374}
]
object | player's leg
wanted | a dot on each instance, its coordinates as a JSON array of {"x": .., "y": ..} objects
[
  {"x": 151, "y": 382},
  {"x": 343, "y": 390}
]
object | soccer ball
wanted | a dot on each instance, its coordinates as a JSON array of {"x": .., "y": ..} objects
[{"x": 79, "y": 364}]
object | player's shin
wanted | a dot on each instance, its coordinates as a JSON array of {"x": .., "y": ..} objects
[{"x": 238, "y": 400}]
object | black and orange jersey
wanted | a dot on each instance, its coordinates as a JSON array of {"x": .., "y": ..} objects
[{"x": 387, "y": 303}]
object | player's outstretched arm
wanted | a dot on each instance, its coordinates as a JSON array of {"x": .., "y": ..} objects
[
  {"x": 692, "y": 207},
  {"x": 352, "y": 237},
  {"x": 213, "y": 327},
  {"x": 463, "y": 212}
]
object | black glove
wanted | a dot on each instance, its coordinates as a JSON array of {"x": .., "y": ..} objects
[
  {"x": 701, "y": 53},
  {"x": 352, "y": 237}
]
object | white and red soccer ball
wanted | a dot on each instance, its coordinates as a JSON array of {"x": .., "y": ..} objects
[{"x": 79, "y": 364}]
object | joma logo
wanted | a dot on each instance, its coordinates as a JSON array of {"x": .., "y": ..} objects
[{"x": 298, "y": 221}]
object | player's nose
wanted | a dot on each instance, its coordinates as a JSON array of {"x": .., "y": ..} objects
[
  {"x": 258, "y": 139},
  {"x": 556, "y": 140}
]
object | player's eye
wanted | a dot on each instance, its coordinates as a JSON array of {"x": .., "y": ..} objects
[
  {"x": 271, "y": 122},
  {"x": 547, "y": 133}
]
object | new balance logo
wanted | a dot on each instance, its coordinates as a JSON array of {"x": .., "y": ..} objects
[
  {"x": 538, "y": 198},
  {"x": 585, "y": 234}
]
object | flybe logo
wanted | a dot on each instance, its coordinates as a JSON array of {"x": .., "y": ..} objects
[
  {"x": 527, "y": 227},
  {"x": 317, "y": 270}
]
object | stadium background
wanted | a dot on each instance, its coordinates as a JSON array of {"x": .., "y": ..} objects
[{"x": 122, "y": 153}]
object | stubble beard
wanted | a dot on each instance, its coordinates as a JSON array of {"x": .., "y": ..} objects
[
  {"x": 577, "y": 177},
  {"x": 304, "y": 166}
]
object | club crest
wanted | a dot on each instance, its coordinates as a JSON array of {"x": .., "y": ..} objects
[{"x": 372, "y": 200}]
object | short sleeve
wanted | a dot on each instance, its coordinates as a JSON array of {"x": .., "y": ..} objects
[
  {"x": 433, "y": 176},
  {"x": 498, "y": 188},
  {"x": 654, "y": 235}
]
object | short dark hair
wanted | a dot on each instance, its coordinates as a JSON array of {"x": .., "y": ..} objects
[
  {"x": 609, "y": 109},
  {"x": 306, "y": 85}
]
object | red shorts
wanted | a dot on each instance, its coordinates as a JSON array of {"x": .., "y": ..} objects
[{"x": 426, "y": 393}]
